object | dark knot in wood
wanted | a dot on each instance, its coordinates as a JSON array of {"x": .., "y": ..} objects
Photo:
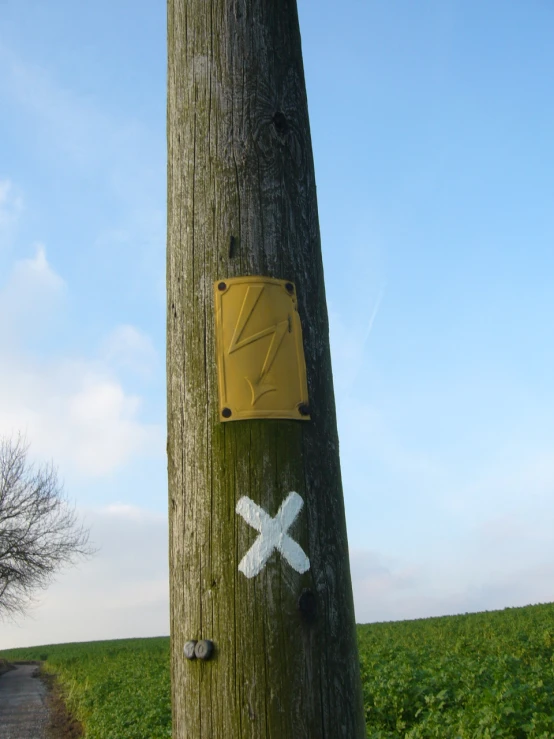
[
  {"x": 280, "y": 122},
  {"x": 307, "y": 605}
]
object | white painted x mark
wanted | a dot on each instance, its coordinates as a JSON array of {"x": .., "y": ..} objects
[{"x": 273, "y": 535}]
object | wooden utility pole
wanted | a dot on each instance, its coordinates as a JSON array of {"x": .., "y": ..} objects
[{"x": 259, "y": 565}]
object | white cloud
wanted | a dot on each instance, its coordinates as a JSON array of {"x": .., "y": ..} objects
[
  {"x": 129, "y": 348},
  {"x": 349, "y": 341},
  {"x": 100, "y": 400},
  {"x": 377, "y": 582},
  {"x": 393, "y": 589},
  {"x": 8, "y": 201},
  {"x": 523, "y": 476},
  {"x": 11, "y": 205},
  {"x": 126, "y": 511},
  {"x": 75, "y": 414},
  {"x": 120, "y": 155},
  {"x": 28, "y": 299},
  {"x": 494, "y": 549},
  {"x": 122, "y": 592},
  {"x": 35, "y": 273},
  {"x": 75, "y": 411},
  {"x": 105, "y": 420}
]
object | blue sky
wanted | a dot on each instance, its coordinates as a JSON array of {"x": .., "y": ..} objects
[{"x": 432, "y": 132}]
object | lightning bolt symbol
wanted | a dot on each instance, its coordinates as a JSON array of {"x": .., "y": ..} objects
[{"x": 257, "y": 386}]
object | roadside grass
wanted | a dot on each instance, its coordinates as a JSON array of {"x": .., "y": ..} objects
[
  {"x": 476, "y": 676},
  {"x": 117, "y": 689}
]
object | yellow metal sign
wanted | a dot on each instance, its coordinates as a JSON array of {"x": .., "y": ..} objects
[{"x": 260, "y": 357}]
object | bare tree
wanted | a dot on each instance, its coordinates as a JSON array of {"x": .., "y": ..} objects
[{"x": 39, "y": 530}]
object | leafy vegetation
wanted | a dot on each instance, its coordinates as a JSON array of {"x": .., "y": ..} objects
[{"x": 477, "y": 676}]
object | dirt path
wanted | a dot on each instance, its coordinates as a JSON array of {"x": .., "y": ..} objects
[{"x": 23, "y": 710}]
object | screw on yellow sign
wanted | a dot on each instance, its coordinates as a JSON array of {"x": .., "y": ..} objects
[{"x": 260, "y": 358}]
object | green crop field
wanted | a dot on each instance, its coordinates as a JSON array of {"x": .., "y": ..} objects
[
  {"x": 480, "y": 675},
  {"x": 483, "y": 675}
]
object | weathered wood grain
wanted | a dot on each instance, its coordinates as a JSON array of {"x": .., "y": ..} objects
[{"x": 240, "y": 168}]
